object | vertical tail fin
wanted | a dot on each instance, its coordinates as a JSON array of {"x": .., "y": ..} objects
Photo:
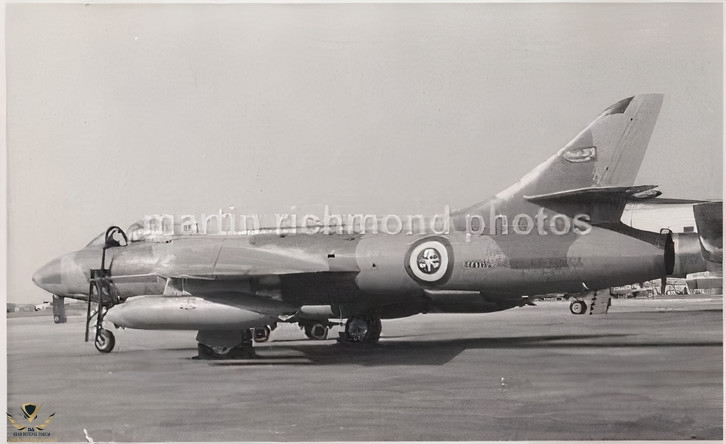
[{"x": 603, "y": 158}]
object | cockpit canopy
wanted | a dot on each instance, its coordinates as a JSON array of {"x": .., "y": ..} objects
[
  {"x": 98, "y": 241},
  {"x": 137, "y": 232},
  {"x": 112, "y": 237},
  {"x": 155, "y": 229},
  {"x": 158, "y": 228},
  {"x": 148, "y": 229}
]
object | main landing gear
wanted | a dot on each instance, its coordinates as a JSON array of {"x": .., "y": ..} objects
[
  {"x": 231, "y": 344},
  {"x": 363, "y": 328},
  {"x": 225, "y": 344},
  {"x": 237, "y": 344}
]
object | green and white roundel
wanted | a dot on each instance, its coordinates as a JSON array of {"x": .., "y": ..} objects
[{"x": 429, "y": 261}]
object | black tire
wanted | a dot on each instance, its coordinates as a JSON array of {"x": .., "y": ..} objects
[
  {"x": 376, "y": 329},
  {"x": 578, "y": 307},
  {"x": 243, "y": 351},
  {"x": 316, "y": 331},
  {"x": 366, "y": 328},
  {"x": 356, "y": 329},
  {"x": 57, "y": 319},
  {"x": 105, "y": 341}
]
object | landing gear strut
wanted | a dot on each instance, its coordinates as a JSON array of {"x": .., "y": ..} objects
[
  {"x": 103, "y": 295},
  {"x": 363, "y": 328}
]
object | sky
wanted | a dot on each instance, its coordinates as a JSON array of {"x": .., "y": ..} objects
[{"x": 119, "y": 111}]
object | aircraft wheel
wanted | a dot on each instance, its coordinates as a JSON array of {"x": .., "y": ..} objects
[
  {"x": 242, "y": 351},
  {"x": 376, "y": 329},
  {"x": 366, "y": 328},
  {"x": 356, "y": 329},
  {"x": 316, "y": 331},
  {"x": 261, "y": 334},
  {"x": 105, "y": 341},
  {"x": 578, "y": 307},
  {"x": 56, "y": 319}
]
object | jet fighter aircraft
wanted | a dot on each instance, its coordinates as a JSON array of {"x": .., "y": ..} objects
[{"x": 557, "y": 230}]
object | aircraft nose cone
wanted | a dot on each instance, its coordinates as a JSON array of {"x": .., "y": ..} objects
[{"x": 48, "y": 275}]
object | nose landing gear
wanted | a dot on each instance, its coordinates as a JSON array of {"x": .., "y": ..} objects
[{"x": 103, "y": 293}]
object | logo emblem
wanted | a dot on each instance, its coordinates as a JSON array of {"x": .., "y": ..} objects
[
  {"x": 579, "y": 155},
  {"x": 428, "y": 261},
  {"x": 30, "y": 412}
]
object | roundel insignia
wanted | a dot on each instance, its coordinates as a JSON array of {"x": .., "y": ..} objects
[{"x": 429, "y": 261}]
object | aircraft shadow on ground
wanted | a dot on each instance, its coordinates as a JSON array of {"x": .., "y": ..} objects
[{"x": 398, "y": 351}]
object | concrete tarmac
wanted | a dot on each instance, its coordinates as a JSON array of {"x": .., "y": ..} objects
[{"x": 648, "y": 370}]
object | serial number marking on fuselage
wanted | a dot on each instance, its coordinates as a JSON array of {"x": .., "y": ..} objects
[{"x": 478, "y": 264}]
